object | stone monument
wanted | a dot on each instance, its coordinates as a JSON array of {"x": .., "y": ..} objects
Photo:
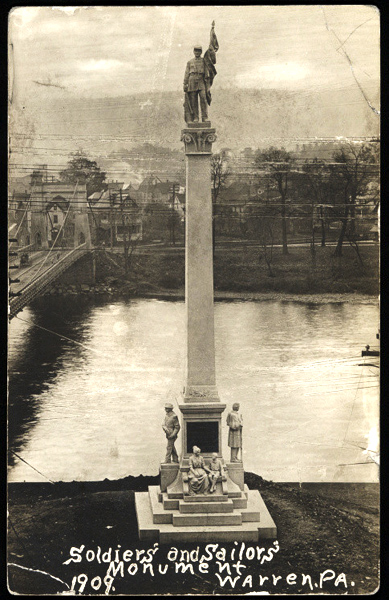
[{"x": 202, "y": 498}]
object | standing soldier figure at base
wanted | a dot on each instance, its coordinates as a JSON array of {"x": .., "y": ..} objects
[
  {"x": 171, "y": 427},
  {"x": 235, "y": 423}
]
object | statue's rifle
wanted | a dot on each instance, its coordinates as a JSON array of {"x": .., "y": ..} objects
[{"x": 188, "y": 112}]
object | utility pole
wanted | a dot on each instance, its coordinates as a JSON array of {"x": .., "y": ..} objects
[
  {"x": 313, "y": 249},
  {"x": 125, "y": 245},
  {"x": 172, "y": 218},
  {"x": 13, "y": 253},
  {"x": 111, "y": 217},
  {"x": 323, "y": 231}
]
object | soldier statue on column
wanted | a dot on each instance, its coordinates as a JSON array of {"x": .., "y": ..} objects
[{"x": 198, "y": 79}]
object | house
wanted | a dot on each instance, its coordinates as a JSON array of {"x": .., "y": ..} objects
[
  {"x": 179, "y": 203},
  {"x": 114, "y": 215},
  {"x": 58, "y": 226},
  {"x": 154, "y": 190},
  {"x": 145, "y": 189}
]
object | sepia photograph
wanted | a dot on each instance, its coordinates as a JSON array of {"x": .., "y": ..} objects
[{"x": 193, "y": 300}]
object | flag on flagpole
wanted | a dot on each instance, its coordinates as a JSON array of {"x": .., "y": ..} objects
[{"x": 210, "y": 61}]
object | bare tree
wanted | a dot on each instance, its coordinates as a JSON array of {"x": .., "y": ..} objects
[
  {"x": 315, "y": 184},
  {"x": 220, "y": 172},
  {"x": 354, "y": 167},
  {"x": 278, "y": 162},
  {"x": 262, "y": 220}
]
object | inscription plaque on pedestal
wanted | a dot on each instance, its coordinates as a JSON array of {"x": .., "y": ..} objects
[{"x": 203, "y": 434}]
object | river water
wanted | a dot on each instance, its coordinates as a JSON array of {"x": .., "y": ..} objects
[{"x": 88, "y": 381}]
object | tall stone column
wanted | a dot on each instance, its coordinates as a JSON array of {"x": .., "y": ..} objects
[
  {"x": 202, "y": 408},
  {"x": 200, "y": 343}
]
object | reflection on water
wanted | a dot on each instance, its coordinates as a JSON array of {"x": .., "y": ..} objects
[{"x": 87, "y": 403}]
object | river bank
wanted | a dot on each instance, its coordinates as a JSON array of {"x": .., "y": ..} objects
[
  {"x": 240, "y": 273},
  {"x": 124, "y": 292},
  {"x": 323, "y": 528}
]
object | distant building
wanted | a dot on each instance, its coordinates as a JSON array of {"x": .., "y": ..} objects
[
  {"x": 248, "y": 153},
  {"x": 145, "y": 190},
  {"x": 154, "y": 190},
  {"x": 58, "y": 226},
  {"x": 230, "y": 207},
  {"x": 115, "y": 215}
]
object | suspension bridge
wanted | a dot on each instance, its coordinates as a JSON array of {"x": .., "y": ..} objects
[
  {"x": 29, "y": 283},
  {"x": 33, "y": 267}
]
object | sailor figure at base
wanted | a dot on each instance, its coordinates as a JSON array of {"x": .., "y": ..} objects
[
  {"x": 171, "y": 427},
  {"x": 235, "y": 423},
  {"x": 215, "y": 471}
]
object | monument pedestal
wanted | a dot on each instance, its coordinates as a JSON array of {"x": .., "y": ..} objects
[
  {"x": 168, "y": 517},
  {"x": 169, "y": 513}
]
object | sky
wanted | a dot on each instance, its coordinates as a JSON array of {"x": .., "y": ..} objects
[{"x": 112, "y": 51}]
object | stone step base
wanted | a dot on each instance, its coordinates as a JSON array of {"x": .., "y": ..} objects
[
  {"x": 169, "y": 503},
  {"x": 160, "y": 514},
  {"x": 191, "y": 520},
  {"x": 205, "y": 507},
  {"x": 173, "y": 503},
  {"x": 240, "y": 502},
  {"x": 175, "y": 495},
  {"x": 208, "y": 498},
  {"x": 210, "y": 534},
  {"x": 166, "y": 532}
]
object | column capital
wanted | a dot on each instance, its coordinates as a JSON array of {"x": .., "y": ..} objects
[{"x": 198, "y": 140}]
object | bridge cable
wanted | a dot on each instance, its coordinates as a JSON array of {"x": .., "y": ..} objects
[
  {"x": 64, "y": 337},
  {"x": 352, "y": 408},
  {"x": 27, "y": 463}
]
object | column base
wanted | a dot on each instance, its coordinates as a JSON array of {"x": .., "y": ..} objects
[{"x": 201, "y": 393}]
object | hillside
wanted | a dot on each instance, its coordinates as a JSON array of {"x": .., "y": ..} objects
[{"x": 242, "y": 117}]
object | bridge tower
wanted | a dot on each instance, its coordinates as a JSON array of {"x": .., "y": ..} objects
[
  {"x": 82, "y": 233},
  {"x": 82, "y": 230},
  {"x": 39, "y": 234}
]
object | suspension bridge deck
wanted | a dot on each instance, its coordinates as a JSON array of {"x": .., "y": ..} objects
[{"x": 35, "y": 278}]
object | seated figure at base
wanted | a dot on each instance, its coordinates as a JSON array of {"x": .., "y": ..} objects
[
  {"x": 198, "y": 480},
  {"x": 215, "y": 471}
]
